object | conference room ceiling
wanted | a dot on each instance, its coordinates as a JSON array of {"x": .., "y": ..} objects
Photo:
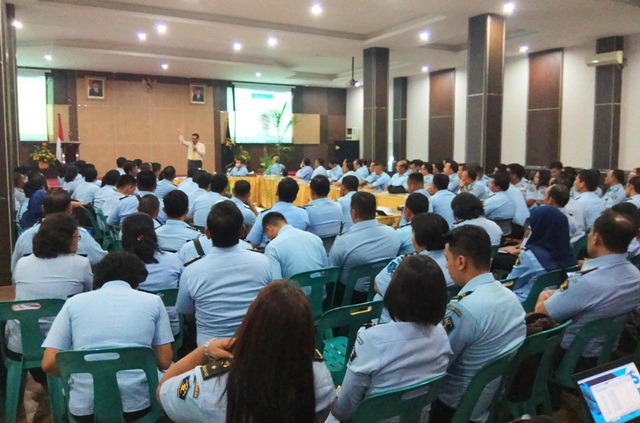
[{"x": 102, "y": 35}]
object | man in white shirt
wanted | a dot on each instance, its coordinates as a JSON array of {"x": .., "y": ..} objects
[{"x": 195, "y": 150}]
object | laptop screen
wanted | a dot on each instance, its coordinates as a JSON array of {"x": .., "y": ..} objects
[{"x": 612, "y": 395}]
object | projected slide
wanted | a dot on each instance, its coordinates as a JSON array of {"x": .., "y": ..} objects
[
  {"x": 32, "y": 105},
  {"x": 262, "y": 114}
]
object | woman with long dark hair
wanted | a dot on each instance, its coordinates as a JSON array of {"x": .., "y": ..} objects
[
  {"x": 165, "y": 182},
  {"x": 536, "y": 192},
  {"x": 34, "y": 190},
  {"x": 269, "y": 372}
]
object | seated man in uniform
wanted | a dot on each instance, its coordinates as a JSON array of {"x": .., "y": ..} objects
[
  {"x": 361, "y": 169},
  {"x": 319, "y": 169},
  {"x": 129, "y": 204},
  {"x": 347, "y": 189},
  {"x": 189, "y": 185},
  {"x": 415, "y": 204},
  {"x": 176, "y": 231},
  {"x": 586, "y": 184},
  {"x": 499, "y": 205},
  {"x": 202, "y": 180},
  {"x": 335, "y": 170},
  {"x": 399, "y": 179},
  {"x": 366, "y": 242},
  {"x": 201, "y": 207},
  {"x": 484, "y": 321},
  {"x": 441, "y": 198},
  {"x": 242, "y": 199},
  {"x": 325, "y": 216},
  {"x": 468, "y": 210},
  {"x": 615, "y": 192},
  {"x": 451, "y": 170},
  {"x": 372, "y": 176},
  {"x": 382, "y": 180},
  {"x": 608, "y": 285},
  {"x": 469, "y": 182},
  {"x": 305, "y": 171},
  {"x": 296, "y": 216},
  {"x": 219, "y": 287},
  {"x": 415, "y": 183},
  {"x": 240, "y": 169},
  {"x": 633, "y": 191}
]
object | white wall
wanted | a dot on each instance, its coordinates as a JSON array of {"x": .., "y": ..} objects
[
  {"x": 630, "y": 110},
  {"x": 460, "y": 119},
  {"x": 355, "y": 112},
  {"x": 514, "y": 109},
  {"x": 418, "y": 117}
]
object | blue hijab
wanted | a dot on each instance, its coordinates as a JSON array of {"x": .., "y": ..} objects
[{"x": 549, "y": 240}]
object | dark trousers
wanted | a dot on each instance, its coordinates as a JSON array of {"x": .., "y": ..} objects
[
  {"x": 441, "y": 412},
  {"x": 197, "y": 164},
  {"x": 128, "y": 417}
]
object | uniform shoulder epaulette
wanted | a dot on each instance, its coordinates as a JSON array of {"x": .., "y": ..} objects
[
  {"x": 317, "y": 356},
  {"x": 124, "y": 196},
  {"x": 193, "y": 260},
  {"x": 215, "y": 368},
  {"x": 265, "y": 211},
  {"x": 584, "y": 272},
  {"x": 406, "y": 224},
  {"x": 462, "y": 295}
]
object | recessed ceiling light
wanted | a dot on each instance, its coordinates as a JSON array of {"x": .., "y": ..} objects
[
  {"x": 424, "y": 35},
  {"x": 316, "y": 9},
  {"x": 357, "y": 84},
  {"x": 161, "y": 28},
  {"x": 165, "y": 66},
  {"x": 237, "y": 46},
  {"x": 508, "y": 8},
  {"x": 524, "y": 49},
  {"x": 142, "y": 36},
  {"x": 48, "y": 57},
  {"x": 425, "y": 69},
  {"x": 272, "y": 41},
  {"x": 258, "y": 74},
  {"x": 17, "y": 24}
]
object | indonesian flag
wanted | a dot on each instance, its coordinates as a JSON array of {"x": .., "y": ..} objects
[{"x": 59, "y": 140}]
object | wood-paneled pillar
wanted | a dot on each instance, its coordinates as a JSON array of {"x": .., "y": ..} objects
[
  {"x": 484, "y": 89},
  {"x": 606, "y": 128},
  {"x": 400, "y": 117},
  {"x": 442, "y": 87},
  {"x": 375, "y": 133},
  {"x": 219, "y": 105}
]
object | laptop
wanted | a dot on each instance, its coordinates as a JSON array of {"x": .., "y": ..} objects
[{"x": 611, "y": 392}]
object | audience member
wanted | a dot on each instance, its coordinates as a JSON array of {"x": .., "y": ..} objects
[
  {"x": 468, "y": 210},
  {"x": 372, "y": 177},
  {"x": 441, "y": 198},
  {"x": 361, "y": 170},
  {"x": 199, "y": 210},
  {"x": 517, "y": 179},
  {"x": 34, "y": 190},
  {"x": 120, "y": 164},
  {"x": 399, "y": 179},
  {"x": 416, "y": 203},
  {"x": 86, "y": 189},
  {"x": 146, "y": 183},
  {"x": 632, "y": 190},
  {"x": 451, "y": 171},
  {"x": 558, "y": 196},
  {"x": 535, "y": 194},
  {"x": 150, "y": 205},
  {"x": 202, "y": 180},
  {"x": 335, "y": 174},
  {"x": 305, "y": 171},
  {"x": 242, "y": 199},
  {"x": 176, "y": 231},
  {"x": 470, "y": 184},
  {"x": 325, "y": 216},
  {"x": 383, "y": 179},
  {"x": 499, "y": 205},
  {"x": 348, "y": 188},
  {"x": 319, "y": 168},
  {"x": 189, "y": 184},
  {"x": 165, "y": 182},
  {"x": 614, "y": 181},
  {"x": 585, "y": 184}
]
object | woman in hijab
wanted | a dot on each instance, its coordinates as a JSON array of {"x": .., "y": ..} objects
[{"x": 547, "y": 248}]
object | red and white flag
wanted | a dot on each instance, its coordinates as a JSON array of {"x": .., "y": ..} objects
[{"x": 59, "y": 140}]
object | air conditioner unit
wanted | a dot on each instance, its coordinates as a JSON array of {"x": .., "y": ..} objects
[
  {"x": 352, "y": 134},
  {"x": 604, "y": 59}
]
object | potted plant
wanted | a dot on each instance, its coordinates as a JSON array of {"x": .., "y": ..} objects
[{"x": 41, "y": 154}]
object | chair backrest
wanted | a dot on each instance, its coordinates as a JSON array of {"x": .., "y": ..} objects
[
  {"x": 97, "y": 231},
  {"x": 317, "y": 280},
  {"x": 103, "y": 365},
  {"x": 494, "y": 250},
  {"x": 635, "y": 260},
  {"x": 608, "y": 328},
  {"x": 546, "y": 280},
  {"x": 28, "y": 313},
  {"x": 580, "y": 246},
  {"x": 169, "y": 296},
  {"x": 486, "y": 375},
  {"x": 505, "y": 225},
  {"x": 370, "y": 271},
  {"x": 405, "y": 403}
]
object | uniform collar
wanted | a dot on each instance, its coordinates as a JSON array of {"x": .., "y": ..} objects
[
  {"x": 224, "y": 250},
  {"x": 117, "y": 284},
  {"x": 607, "y": 260},
  {"x": 284, "y": 229},
  {"x": 145, "y": 193},
  {"x": 479, "y": 280},
  {"x": 321, "y": 200},
  {"x": 349, "y": 194},
  {"x": 363, "y": 225},
  {"x": 615, "y": 187},
  {"x": 173, "y": 222},
  {"x": 421, "y": 191}
]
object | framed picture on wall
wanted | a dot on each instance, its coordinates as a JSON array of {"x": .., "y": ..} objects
[
  {"x": 196, "y": 93},
  {"x": 96, "y": 87}
]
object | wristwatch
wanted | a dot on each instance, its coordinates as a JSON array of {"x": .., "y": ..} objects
[{"x": 206, "y": 350}]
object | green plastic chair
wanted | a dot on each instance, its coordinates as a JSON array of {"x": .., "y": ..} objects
[
  {"x": 28, "y": 313},
  {"x": 486, "y": 375},
  {"x": 169, "y": 298},
  {"x": 369, "y": 270},
  {"x": 336, "y": 349},
  {"x": 111, "y": 234},
  {"x": 405, "y": 403},
  {"x": 96, "y": 231},
  {"x": 494, "y": 250},
  {"x": 608, "y": 328},
  {"x": 102, "y": 365},
  {"x": 580, "y": 246},
  {"x": 317, "y": 280},
  {"x": 546, "y": 280},
  {"x": 541, "y": 344}
]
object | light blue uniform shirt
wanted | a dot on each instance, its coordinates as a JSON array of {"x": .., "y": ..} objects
[
  {"x": 189, "y": 252},
  {"x": 239, "y": 171},
  {"x": 335, "y": 173},
  {"x": 403, "y": 220},
  {"x": 106, "y": 199},
  {"x": 349, "y": 173},
  {"x": 113, "y": 316},
  {"x": 392, "y": 356},
  {"x": 382, "y": 181},
  {"x": 499, "y": 205},
  {"x": 188, "y": 186},
  {"x": 476, "y": 188},
  {"x": 366, "y": 242},
  {"x": 249, "y": 218},
  {"x": 294, "y": 251},
  {"x": 634, "y": 199},
  {"x": 428, "y": 180},
  {"x": 399, "y": 179},
  {"x": 372, "y": 178},
  {"x": 85, "y": 192},
  {"x": 536, "y": 194},
  {"x": 87, "y": 246},
  {"x": 174, "y": 234},
  {"x": 605, "y": 287},
  {"x": 305, "y": 173},
  {"x": 523, "y": 186},
  {"x": 441, "y": 203},
  {"x": 404, "y": 234},
  {"x": 194, "y": 195},
  {"x": 522, "y": 211},
  {"x": 71, "y": 186},
  {"x": 634, "y": 248},
  {"x": 614, "y": 195},
  {"x": 128, "y": 205},
  {"x": 345, "y": 204},
  {"x": 454, "y": 183},
  {"x": 481, "y": 325},
  {"x": 526, "y": 271},
  {"x": 201, "y": 207},
  {"x": 592, "y": 206},
  {"x": 362, "y": 173},
  {"x": 275, "y": 169},
  {"x": 165, "y": 274},
  {"x": 492, "y": 228},
  {"x": 296, "y": 217},
  {"x": 325, "y": 217},
  {"x": 219, "y": 287},
  {"x": 320, "y": 170},
  {"x": 164, "y": 187},
  {"x": 576, "y": 229}
]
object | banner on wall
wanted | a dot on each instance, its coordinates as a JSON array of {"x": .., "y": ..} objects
[{"x": 59, "y": 140}]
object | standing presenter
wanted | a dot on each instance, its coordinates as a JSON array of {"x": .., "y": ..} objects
[{"x": 195, "y": 150}]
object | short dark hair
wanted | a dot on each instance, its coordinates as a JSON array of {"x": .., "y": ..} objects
[
  {"x": 417, "y": 292},
  {"x": 125, "y": 180},
  {"x": 155, "y": 166},
  {"x": 441, "y": 181},
  {"x": 471, "y": 171},
  {"x": 467, "y": 206},
  {"x": 417, "y": 162},
  {"x": 320, "y": 161},
  {"x": 138, "y": 162},
  {"x": 196, "y": 135},
  {"x": 71, "y": 172},
  {"x": 635, "y": 183},
  {"x": 349, "y": 165},
  {"x": 350, "y": 183},
  {"x": 128, "y": 166},
  {"x": 306, "y": 161},
  {"x": 240, "y": 159},
  {"x": 139, "y": 237},
  {"x": 516, "y": 169},
  {"x": 320, "y": 185},
  {"x": 544, "y": 178},
  {"x": 428, "y": 167},
  {"x": 439, "y": 166},
  {"x": 501, "y": 180},
  {"x": 359, "y": 162},
  {"x": 120, "y": 161},
  {"x": 120, "y": 266},
  {"x": 556, "y": 165},
  {"x": 35, "y": 183},
  {"x": 90, "y": 174},
  {"x": 416, "y": 178},
  {"x": 272, "y": 218},
  {"x": 417, "y": 203},
  {"x": 110, "y": 178},
  {"x": 219, "y": 182},
  {"x": 563, "y": 180},
  {"x": 429, "y": 230},
  {"x": 559, "y": 193},
  {"x": 146, "y": 166},
  {"x": 616, "y": 230},
  {"x": 191, "y": 172},
  {"x": 241, "y": 188},
  {"x": 364, "y": 203},
  {"x": 203, "y": 179},
  {"x": 168, "y": 173},
  {"x": 149, "y": 204},
  {"x": 453, "y": 165},
  {"x": 630, "y": 210},
  {"x": 54, "y": 236},
  {"x": 56, "y": 201},
  {"x": 224, "y": 222},
  {"x": 176, "y": 203},
  {"x": 619, "y": 175},
  {"x": 288, "y": 190},
  {"x": 146, "y": 180},
  {"x": 590, "y": 179},
  {"x": 472, "y": 242}
]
